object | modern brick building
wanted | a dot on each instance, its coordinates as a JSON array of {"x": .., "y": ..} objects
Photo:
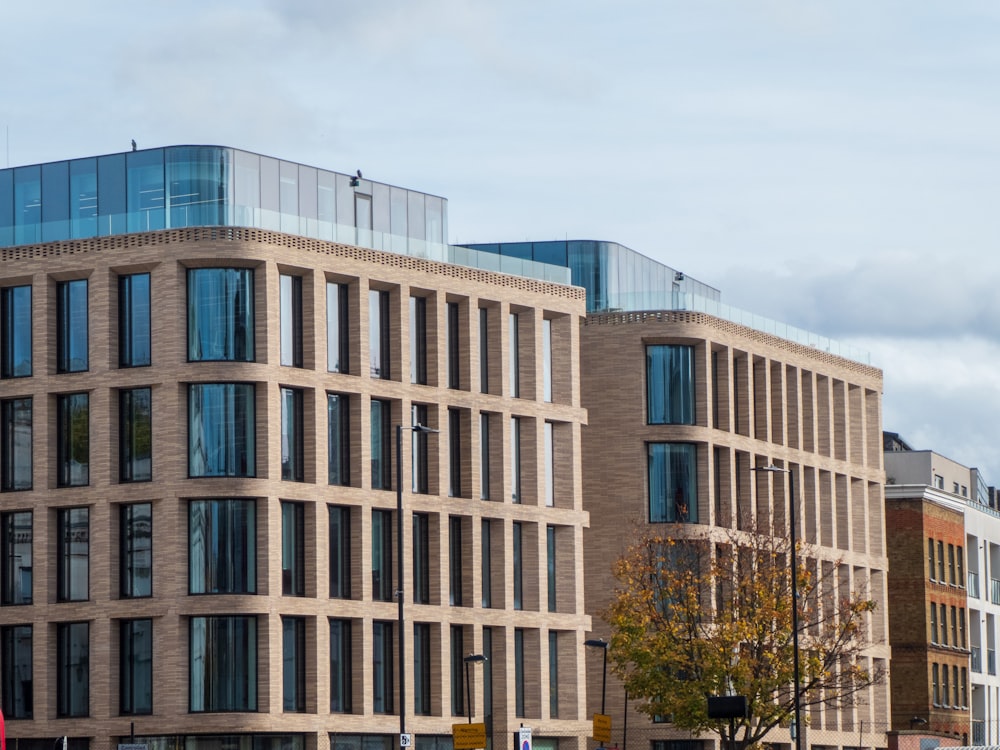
[{"x": 205, "y": 356}]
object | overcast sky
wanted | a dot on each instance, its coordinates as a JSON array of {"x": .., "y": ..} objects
[{"x": 834, "y": 164}]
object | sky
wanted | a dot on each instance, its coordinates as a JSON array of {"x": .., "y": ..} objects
[{"x": 834, "y": 165}]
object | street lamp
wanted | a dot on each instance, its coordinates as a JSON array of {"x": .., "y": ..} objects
[
  {"x": 470, "y": 659},
  {"x": 399, "y": 566},
  {"x": 795, "y": 597},
  {"x": 603, "y": 645}
]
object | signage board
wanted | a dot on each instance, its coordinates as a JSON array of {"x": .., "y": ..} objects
[
  {"x": 524, "y": 738},
  {"x": 602, "y": 728},
  {"x": 468, "y": 736},
  {"x": 406, "y": 740}
]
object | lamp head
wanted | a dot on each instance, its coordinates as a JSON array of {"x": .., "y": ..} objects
[
  {"x": 474, "y": 658},
  {"x": 596, "y": 643}
]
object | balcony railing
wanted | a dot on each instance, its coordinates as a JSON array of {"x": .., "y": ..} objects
[
  {"x": 976, "y": 659},
  {"x": 995, "y": 591},
  {"x": 978, "y": 731},
  {"x": 973, "y": 585},
  {"x": 991, "y": 661}
]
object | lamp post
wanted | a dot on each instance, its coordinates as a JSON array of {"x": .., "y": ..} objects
[
  {"x": 470, "y": 659},
  {"x": 795, "y": 597},
  {"x": 603, "y": 645},
  {"x": 399, "y": 567}
]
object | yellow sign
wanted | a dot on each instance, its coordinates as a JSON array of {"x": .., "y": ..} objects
[
  {"x": 602, "y": 728},
  {"x": 468, "y": 736}
]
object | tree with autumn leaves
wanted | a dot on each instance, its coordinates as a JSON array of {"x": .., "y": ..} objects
[{"x": 696, "y": 616}]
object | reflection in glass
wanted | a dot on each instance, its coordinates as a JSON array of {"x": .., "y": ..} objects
[
  {"x": 381, "y": 447},
  {"x": 15, "y": 332},
  {"x": 340, "y": 552},
  {"x": 136, "y": 550},
  {"x": 382, "y": 555},
  {"x": 293, "y": 669},
  {"x": 220, "y": 314},
  {"x": 291, "y": 320},
  {"x": 72, "y": 669},
  {"x": 221, "y": 430},
  {"x": 73, "y": 440},
  {"x": 222, "y": 546},
  {"x": 136, "y": 667},
  {"x": 135, "y": 437},
  {"x": 293, "y": 541},
  {"x": 292, "y": 445},
  {"x": 336, "y": 327},
  {"x": 15, "y": 444},
  {"x": 382, "y": 643},
  {"x": 71, "y": 326},
  {"x": 378, "y": 333},
  {"x": 670, "y": 384},
  {"x": 223, "y": 664},
  {"x": 672, "y": 483},
  {"x": 16, "y": 681},
  {"x": 73, "y": 555},
  {"x": 16, "y": 557},
  {"x": 134, "y": 320},
  {"x": 145, "y": 191},
  {"x": 341, "y": 671},
  {"x": 338, "y": 439}
]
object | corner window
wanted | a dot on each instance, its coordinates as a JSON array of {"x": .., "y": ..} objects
[
  {"x": 292, "y": 445},
  {"x": 290, "y": 304},
  {"x": 72, "y": 669},
  {"x": 134, "y": 321},
  {"x": 136, "y": 550},
  {"x": 221, "y": 430},
  {"x": 16, "y": 681},
  {"x": 73, "y": 440},
  {"x": 136, "y": 667},
  {"x": 338, "y": 439},
  {"x": 670, "y": 384},
  {"x": 15, "y": 332},
  {"x": 222, "y": 547},
  {"x": 71, "y": 326},
  {"x": 223, "y": 664},
  {"x": 220, "y": 310},
  {"x": 15, "y": 444},
  {"x": 73, "y": 555},
  {"x": 135, "y": 435},
  {"x": 15, "y": 548},
  {"x": 672, "y": 483}
]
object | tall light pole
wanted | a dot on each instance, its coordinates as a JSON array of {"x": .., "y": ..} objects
[
  {"x": 603, "y": 645},
  {"x": 470, "y": 659},
  {"x": 795, "y": 596},
  {"x": 401, "y": 638}
]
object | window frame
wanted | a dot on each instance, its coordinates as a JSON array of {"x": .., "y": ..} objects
[
  {"x": 72, "y": 333},
  {"x": 130, "y": 422},
  {"x": 135, "y": 334}
]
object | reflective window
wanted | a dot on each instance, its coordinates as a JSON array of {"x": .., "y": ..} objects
[
  {"x": 518, "y": 672},
  {"x": 457, "y": 674},
  {"x": 553, "y": 674},
  {"x": 422, "y": 668},
  {"x": 221, "y": 430},
  {"x": 293, "y": 549},
  {"x": 83, "y": 198},
  {"x": 72, "y": 669},
  {"x": 454, "y": 452},
  {"x": 15, "y": 444},
  {"x": 73, "y": 555},
  {"x": 484, "y": 456},
  {"x": 515, "y": 459},
  {"x": 223, "y": 664},
  {"x": 293, "y": 667},
  {"x": 198, "y": 184},
  {"x": 135, "y": 435},
  {"x": 550, "y": 465},
  {"x": 134, "y": 323},
  {"x": 292, "y": 434},
  {"x": 670, "y": 384},
  {"x": 55, "y": 201},
  {"x": 222, "y": 546},
  {"x": 288, "y": 196},
  {"x": 418, "y": 340},
  {"x": 514, "y": 356},
  {"x": 518, "y": 567},
  {"x": 136, "y": 667},
  {"x": 341, "y": 671},
  {"x": 382, "y": 643},
  {"x": 381, "y": 445},
  {"x": 382, "y": 556},
  {"x": 337, "y": 335},
  {"x": 145, "y": 190},
  {"x": 111, "y": 194},
  {"x": 486, "y": 564},
  {"x": 15, "y": 332},
  {"x": 16, "y": 558},
  {"x": 484, "y": 350},
  {"x": 547, "y": 360},
  {"x": 340, "y": 552},
  {"x": 673, "y": 494},
  {"x": 16, "y": 683},
  {"x": 136, "y": 550},
  {"x": 73, "y": 439},
  {"x": 338, "y": 439},
  {"x": 378, "y": 333},
  {"x": 421, "y": 558},
  {"x": 418, "y": 449},
  {"x": 455, "y": 561},
  {"x": 454, "y": 358},
  {"x": 220, "y": 314},
  {"x": 71, "y": 326},
  {"x": 291, "y": 320},
  {"x": 27, "y": 205},
  {"x": 550, "y": 565}
]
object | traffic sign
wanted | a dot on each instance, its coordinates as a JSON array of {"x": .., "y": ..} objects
[
  {"x": 524, "y": 738},
  {"x": 406, "y": 740},
  {"x": 602, "y": 728},
  {"x": 468, "y": 736}
]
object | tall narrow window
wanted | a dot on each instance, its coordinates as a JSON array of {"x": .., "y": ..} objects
[
  {"x": 17, "y": 557},
  {"x": 337, "y": 335},
  {"x": 421, "y": 668},
  {"x": 486, "y": 572},
  {"x": 421, "y": 559},
  {"x": 16, "y": 678},
  {"x": 935, "y": 691},
  {"x": 220, "y": 314},
  {"x": 418, "y": 340},
  {"x": 15, "y": 444},
  {"x": 135, "y": 553},
  {"x": 418, "y": 450},
  {"x": 222, "y": 547},
  {"x": 484, "y": 350},
  {"x": 134, "y": 321},
  {"x": 934, "y": 623},
  {"x": 381, "y": 444},
  {"x": 454, "y": 453},
  {"x": 222, "y": 430},
  {"x": 71, "y": 326},
  {"x": 292, "y": 443},
  {"x": 455, "y": 561},
  {"x": 135, "y": 676},
  {"x": 291, "y": 320},
  {"x": 72, "y": 669},
  {"x": 670, "y": 384},
  {"x": 515, "y": 459},
  {"x": 930, "y": 558},
  {"x": 488, "y": 671},
  {"x": 293, "y": 552},
  {"x": 547, "y": 360},
  {"x": 15, "y": 332},
  {"x": 550, "y": 565},
  {"x": 518, "y": 672},
  {"x": 341, "y": 669},
  {"x": 550, "y": 465},
  {"x": 672, "y": 483},
  {"x": 382, "y": 555},
  {"x": 223, "y": 664},
  {"x": 293, "y": 667},
  {"x": 454, "y": 358},
  {"x": 940, "y": 562},
  {"x": 378, "y": 333},
  {"x": 951, "y": 564},
  {"x": 515, "y": 359},
  {"x": 73, "y": 440},
  {"x": 553, "y": 674},
  {"x": 73, "y": 555},
  {"x": 518, "y": 567},
  {"x": 382, "y": 667},
  {"x": 484, "y": 456},
  {"x": 457, "y": 675},
  {"x": 340, "y": 552},
  {"x": 338, "y": 415},
  {"x": 135, "y": 435}
]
